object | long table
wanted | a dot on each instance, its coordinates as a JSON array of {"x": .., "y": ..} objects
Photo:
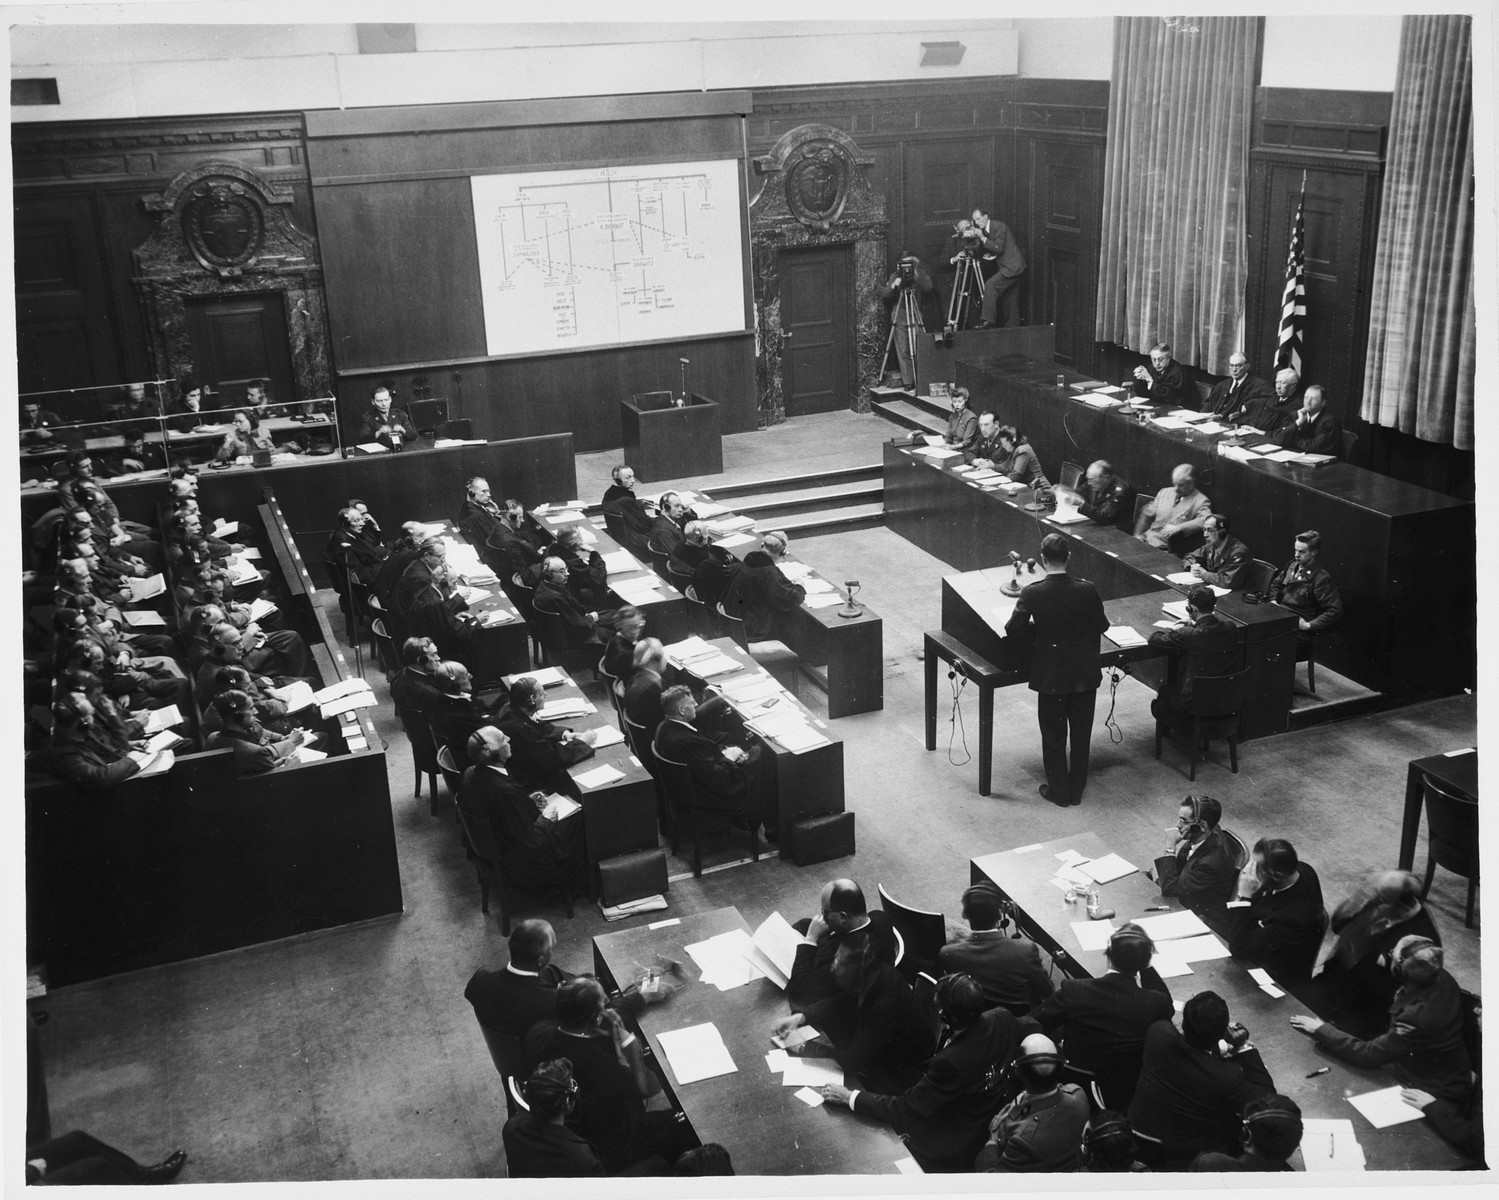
[
  {"x": 1403, "y": 556},
  {"x": 766, "y": 1130},
  {"x": 1023, "y": 875},
  {"x": 951, "y": 518}
]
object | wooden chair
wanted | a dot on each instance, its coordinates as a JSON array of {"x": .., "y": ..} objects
[
  {"x": 687, "y": 817},
  {"x": 1451, "y": 838},
  {"x": 452, "y": 773},
  {"x": 1219, "y": 700},
  {"x": 1350, "y": 440},
  {"x": 557, "y": 643},
  {"x": 1239, "y": 852},
  {"x": 504, "y": 1052},
  {"x": 644, "y": 749},
  {"x": 1071, "y": 476},
  {"x": 776, "y": 657},
  {"x": 659, "y": 555},
  {"x": 383, "y": 647},
  {"x": 1140, "y": 502},
  {"x": 485, "y": 848},
  {"x": 1259, "y": 576},
  {"x": 924, "y": 934},
  {"x": 423, "y": 751}
]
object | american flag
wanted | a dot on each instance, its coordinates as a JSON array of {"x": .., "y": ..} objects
[{"x": 1293, "y": 299}]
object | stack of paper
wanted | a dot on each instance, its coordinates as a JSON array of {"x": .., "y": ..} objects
[
  {"x": 546, "y": 676},
  {"x": 1267, "y": 985},
  {"x": 1066, "y": 516},
  {"x": 793, "y": 570},
  {"x": 733, "y": 540},
  {"x": 163, "y": 718},
  {"x": 145, "y": 589},
  {"x": 620, "y": 562},
  {"x": 344, "y": 697},
  {"x": 934, "y": 439},
  {"x": 161, "y": 764},
  {"x": 811, "y": 1072},
  {"x": 557, "y": 807},
  {"x": 823, "y": 600},
  {"x": 773, "y": 949},
  {"x": 637, "y": 591},
  {"x": 223, "y": 528},
  {"x": 618, "y": 912},
  {"x": 814, "y": 586},
  {"x": 261, "y": 608},
  {"x": 1177, "y": 609},
  {"x": 727, "y": 525},
  {"x": 598, "y": 777},
  {"x": 744, "y": 690},
  {"x": 1171, "y": 423},
  {"x": 688, "y": 650},
  {"x": 723, "y": 961},
  {"x": 565, "y": 709},
  {"x": 1124, "y": 636},
  {"x": 1188, "y": 415},
  {"x": 242, "y": 572},
  {"x": 605, "y": 735},
  {"x": 707, "y": 508},
  {"x": 495, "y": 616},
  {"x": 165, "y": 739},
  {"x": 1330, "y": 1145},
  {"x": 798, "y": 1036},
  {"x": 800, "y": 739},
  {"x": 722, "y": 664},
  {"x": 307, "y": 754},
  {"x": 566, "y": 516},
  {"x": 938, "y": 452},
  {"x": 1168, "y": 926},
  {"x": 1100, "y": 399},
  {"x": 696, "y": 1052},
  {"x": 1088, "y": 385},
  {"x": 1107, "y": 869},
  {"x": 1203, "y": 948},
  {"x": 1212, "y": 427},
  {"x": 296, "y": 696},
  {"x": 143, "y": 618}
]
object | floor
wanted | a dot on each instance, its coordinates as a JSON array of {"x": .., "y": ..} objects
[{"x": 351, "y": 1054}]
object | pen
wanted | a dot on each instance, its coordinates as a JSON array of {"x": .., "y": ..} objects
[
  {"x": 1159, "y": 908},
  {"x": 1318, "y": 1071}
]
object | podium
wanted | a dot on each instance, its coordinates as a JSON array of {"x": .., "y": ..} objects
[{"x": 664, "y": 441}]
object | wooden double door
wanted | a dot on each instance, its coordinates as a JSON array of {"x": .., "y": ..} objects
[{"x": 239, "y": 338}]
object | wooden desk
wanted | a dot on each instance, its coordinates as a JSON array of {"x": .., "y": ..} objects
[
  {"x": 973, "y": 529},
  {"x": 497, "y": 650},
  {"x": 1457, "y": 772},
  {"x": 807, "y": 783},
  {"x": 664, "y": 442},
  {"x": 1403, "y": 557},
  {"x": 766, "y": 1130},
  {"x": 1046, "y": 918}
]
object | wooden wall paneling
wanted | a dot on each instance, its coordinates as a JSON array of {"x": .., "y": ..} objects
[
  {"x": 1065, "y": 206},
  {"x": 945, "y": 180}
]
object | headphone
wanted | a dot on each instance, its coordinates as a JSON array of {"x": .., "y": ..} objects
[
  {"x": 1030, "y": 1067},
  {"x": 552, "y": 1089},
  {"x": 988, "y": 890},
  {"x": 1196, "y": 826},
  {"x": 1095, "y": 1132}
]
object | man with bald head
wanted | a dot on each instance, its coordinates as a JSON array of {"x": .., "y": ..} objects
[
  {"x": 1269, "y": 413},
  {"x": 1107, "y": 498},
  {"x": 841, "y": 910},
  {"x": 1176, "y": 513},
  {"x": 1229, "y": 396},
  {"x": 1041, "y": 1130},
  {"x": 536, "y": 853},
  {"x": 759, "y": 593},
  {"x": 1163, "y": 381}
]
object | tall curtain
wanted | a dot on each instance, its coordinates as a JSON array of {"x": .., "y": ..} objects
[
  {"x": 1174, "y": 258},
  {"x": 1419, "y": 370}
]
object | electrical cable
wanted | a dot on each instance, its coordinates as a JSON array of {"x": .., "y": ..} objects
[
  {"x": 958, "y": 680},
  {"x": 1116, "y": 735}
]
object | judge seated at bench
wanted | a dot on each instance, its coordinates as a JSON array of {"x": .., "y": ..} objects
[
  {"x": 1163, "y": 381},
  {"x": 1315, "y": 429}
]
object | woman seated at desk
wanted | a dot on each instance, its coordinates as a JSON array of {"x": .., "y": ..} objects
[
  {"x": 1020, "y": 463},
  {"x": 244, "y": 439}
]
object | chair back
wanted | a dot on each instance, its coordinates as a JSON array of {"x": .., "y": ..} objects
[
  {"x": 681, "y": 580},
  {"x": 676, "y": 780},
  {"x": 1140, "y": 502},
  {"x": 385, "y": 647},
  {"x": 923, "y": 933},
  {"x": 1258, "y": 576},
  {"x": 1236, "y": 847},
  {"x": 452, "y": 773},
  {"x": 504, "y": 1051},
  {"x": 1451, "y": 829},
  {"x": 461, "y": 428},
  {"x": 643, "y": 746},
  {"x": 1071, "y": 476},
  {"x": 552, "y": 631},
  {"x": 419, "y": 734},
  {"x": 1220, "y": 695},
  {"x": 1350, "y": 440},
  {"x": 735, "y": 626},
  {"x": 338, "y": 576}
]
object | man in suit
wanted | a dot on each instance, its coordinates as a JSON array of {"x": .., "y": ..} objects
[
  {"x": 1269, "y": 413},
  {"x": 1003, "y": 265},
  {"x": 537, "y": 853},
  {"x": 541, "y": 751},
  {"x": 1221, "y": 560},
  {"x": 413, "y": 687},
  {"x": 1282, "y": 928},
  {"x": 587, "y": 576},
  {"x": 355, "y": 548},
  {"x": 726, "y": 778},
  {"x": 666, "y": 529},
  {"x": 1315, "y": 429},
  {"x": 945, "y": 1115},
  {"x": 430, "y": 606},
  {"x": 456, "y": 713},
  {"x": 1103, "y": 1021},
  {"x": 1191, "y": 1093},
  {"x": 256, "y": 749},
  {"x": 480, "y": 516},
  {"x": 1065, "y": 618},
  {"x": 554, "y": 596},
  {"x": 1176, "y": 513},
  {"x": 1164, "y": 382},
  {"x": 1198, "y": 866},
  {"x": 841, "y": 911},
  {"x": 1272, "y": 1132},
  {"x": 628, "y": 518},
  {"x": 1008, "y": 969},
  {"x": 1203, "y": 644},
  {"x": 712, "y": 567},
  {"x": 513, "y": 999},
  {"x": 643, "y": 692},
  {"x": 1229, "y": 396},
  {"x": 759, "y": 591}
]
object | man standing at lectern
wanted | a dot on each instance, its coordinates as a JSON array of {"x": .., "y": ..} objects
[{"x": 1064, "y": 618}]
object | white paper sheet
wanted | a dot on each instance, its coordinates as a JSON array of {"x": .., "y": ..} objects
[
  {"x": 816, "y": 587},
  {"x": 566, "y": 708},
  {"x": 1071, "y": 858},
  {"x": 799, "y": 741},
  {"x": 696, "y": 1052},
  {"x": 1330, "y": 1145},
  {"x": 605, "y": 735},
  {"x": 260, "y": 608},
  {"x": 776, "y": 1060},
  {"x": 808, "y": 1097},
  {"x": 747, "y": 689},
  {"x": 939, "y": 452},
  {"x": 598, "y": 777},
  {"x": 620, "y": 562},
  {"x": 1093, "y": 935},
  {"x": 295, "y": 696},
  {"x": 773, "y": 949},
  {"x": 546, "y": 676},
  {"x": 707, "y": 668},
  {"x": 147, "y": 588},
  {"x": 723, "y": 961},
  {"x": 143, "y": 619},
  {"x": 1177, "y": 609},
  {"x": 163, "y": 718},
  {"x": 812, "y": 1072},
  {"x": 1385, "y": 1108},
  {"x": 823, "y": 600},
  {"x": 798, "y": 1036},
  {"x": 1108, "y": 868},
  {"x": 734, "y": 539},
  {"x": 793, "y": 570},
  {"x": 1124, "y": 636},
  {"x": 1193, "y": 949},
  {"x": 1173, "y": 925},
  {"x": 908, "y": 1166},
  {"x": 1168, "y": 968}
]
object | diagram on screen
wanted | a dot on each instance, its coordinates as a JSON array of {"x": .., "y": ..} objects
[{"x": 609, "y": 255}]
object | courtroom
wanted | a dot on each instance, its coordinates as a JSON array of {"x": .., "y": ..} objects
[{"x": 657, "y": 596}]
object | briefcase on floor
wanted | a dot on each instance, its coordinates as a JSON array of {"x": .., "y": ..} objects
[
  {"x": 820, "y": 837},
  {"x": 631, "y": 876}
]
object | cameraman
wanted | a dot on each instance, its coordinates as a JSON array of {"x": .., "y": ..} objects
[
  {"x": 905, "y": 289},
  {"x": 1001, "y": 262}
]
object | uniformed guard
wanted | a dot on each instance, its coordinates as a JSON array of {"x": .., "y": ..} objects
[{"x": 1041, "y": 1129}]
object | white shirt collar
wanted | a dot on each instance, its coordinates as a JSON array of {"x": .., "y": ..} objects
[{"x": 514, "y": 970}]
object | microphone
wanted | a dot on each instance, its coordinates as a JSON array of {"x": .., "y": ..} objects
[{"x": 1011, "y": 586}]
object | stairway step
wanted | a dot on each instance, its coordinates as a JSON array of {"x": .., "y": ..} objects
[
  {"x": 941, "y": 409},
  {"x": 910, "y": 416},
  {"x": 810, "y": 499},
  {"x": 724, "y": 493},
  {"x": 835, "y": 520}
]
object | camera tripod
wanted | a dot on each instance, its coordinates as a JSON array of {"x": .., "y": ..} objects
[
  {"x": 905, "y": 320},
  {"x": 968, "y": 282}
]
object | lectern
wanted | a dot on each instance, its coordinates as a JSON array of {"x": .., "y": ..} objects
[{"x": 663, "y": 440}]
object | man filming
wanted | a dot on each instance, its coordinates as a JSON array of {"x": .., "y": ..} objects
[
  {"x": 998, "y": 256},
  {"x": 905, "y": 288}
]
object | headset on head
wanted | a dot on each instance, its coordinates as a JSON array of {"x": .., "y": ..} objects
[
  {"x": 1197, "y": 825},
  {"x": 1006, "y": 908}
]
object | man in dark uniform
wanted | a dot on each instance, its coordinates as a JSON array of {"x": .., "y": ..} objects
[
  {"x": 384, "y": 423},
  {"x": 1423, "y": 1046},
  {"x": 1041, "y": 1130},
  {"x": 1272, "y": 1132},
  {"x": 1315, "y": 428},
  {"x": 987, "y": 450},
  {"x": 1102, "y": 1022},
  {"x": 1198, "y": 866},
  {"x": 1068, "y": 620},
  {"x": 1203, "y": 644},
  {"x": 1164, "y": 382},
  {"x": 1107, "y": 498},
  {"x": 1221, "y": 561},
  {"x": 1229, "y": 396},
  {"x": 1192, "y": 1093},
  {"x": 1308, "y": 590},
  {"x": 945, "y": 1116}
]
